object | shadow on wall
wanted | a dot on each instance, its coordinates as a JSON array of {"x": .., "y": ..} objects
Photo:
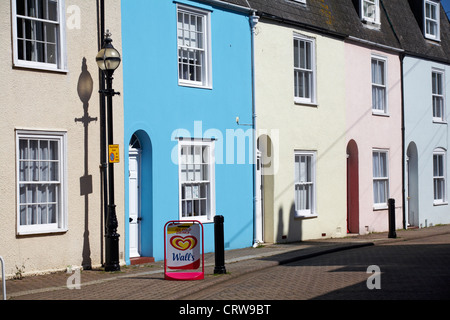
[
  {"x": 289, "y": 228},
  {"x": 265, "y": 146},
  {"x": 85, "y": 88},
  {"x": 293, "y": 231}
]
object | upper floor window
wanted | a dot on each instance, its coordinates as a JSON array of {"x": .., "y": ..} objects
[
  {"x": 439, "y": 174},
  {"x": 304, "y": 70},
  {"x": 38, "y": 35},
  {"x": 41, "y": 179},
  {"x": 437, "y": 79},
  {"x": 379, "y": 97},
  {"x": 194, "y": 66},
  {"x": 370, "y": 11},
  {"x": 431, "y": 20}
]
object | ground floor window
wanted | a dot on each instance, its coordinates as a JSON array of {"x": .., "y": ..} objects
[
  {"x": 304, "y": 183},
  {"x": 439, "y": 172},
  {"x": 196, "y": 179},
  {"x": 41, "y": 177},
  {"x": 380, "y": 178}
]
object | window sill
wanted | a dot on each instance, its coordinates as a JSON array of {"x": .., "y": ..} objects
[
  {"x": 300, "y": 215},
  {"x": 380, "y": 207},
  {"x": 202, "y": 220},
  {"x": 370, "y": 24},
  {"x": 300, "y": 2},
  {"x": 433, "y": 40},
  {"x": 194, "y": 85},
  {"x": 306, "y": 103},
  {"x": 43, "y": 231},
  {"x": 441, "y": 203},
  {"x": 437, "y": 121},
  {"x": 380, "y": 114},
  {"x": 42, "y": 67}
]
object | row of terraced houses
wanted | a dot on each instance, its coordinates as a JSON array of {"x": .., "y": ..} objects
[{"x": 293, "y": 119}]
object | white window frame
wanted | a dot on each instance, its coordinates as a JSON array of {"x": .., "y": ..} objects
[
  {"x": 431, "y": 21},
  {"x": 305, "y": 96},
  {"x": 301, "y": 1},
  {"x": 207, "y": 162},
  {"x": 60, "y": 63},
  {"x": 379, "y": 85},
  {"x": 22, "y": 198},
  {"x": 438, "y": 95},
  {"x": 308, "y": 209},
  {"x": 439, "y": 177},
  {"x": 204, "y": 49},
  {"x": 378, "y": 178},
  {"x": 375, "y": 17}
]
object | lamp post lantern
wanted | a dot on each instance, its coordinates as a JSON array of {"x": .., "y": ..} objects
[{"x": 108, "y": 60}]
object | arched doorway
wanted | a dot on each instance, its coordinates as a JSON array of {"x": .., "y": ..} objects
[
  {"x": 352, "y": 187},
  {"x": 412, "y": 185},
  {"x": 266, "y": 168},
  {"x": 140, "y": 208}
]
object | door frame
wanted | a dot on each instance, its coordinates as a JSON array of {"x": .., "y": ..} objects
[
  {"x": 135, "y": 152},
  {"x": 259, "y": 200}
]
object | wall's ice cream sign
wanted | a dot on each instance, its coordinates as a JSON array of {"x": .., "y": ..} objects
[
  {"x": 184, "y": 252},
  {"x": 182, "y": 249}
]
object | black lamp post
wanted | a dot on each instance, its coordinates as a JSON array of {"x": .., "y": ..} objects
[{"x": 108, "y": 60}]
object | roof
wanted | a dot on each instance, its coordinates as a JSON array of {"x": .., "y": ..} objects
[
  {"x": 238, "y": 5},
  {"x": 407, "y": 23},
  {"x": 400, "y": 22},
  {"x": 329, "y": 16}
]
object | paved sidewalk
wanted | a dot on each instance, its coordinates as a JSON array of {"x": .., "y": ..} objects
[{"x": 146, "y": 282}]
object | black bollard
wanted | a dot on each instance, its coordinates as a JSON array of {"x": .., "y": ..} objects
[
  {"x": 219, "y": 251},
  {"x": 392, "y": 233}
]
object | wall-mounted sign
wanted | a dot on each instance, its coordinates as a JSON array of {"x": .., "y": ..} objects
[
  {"x": 113, "y": 153},
  {"x": 183, "y": 252}
]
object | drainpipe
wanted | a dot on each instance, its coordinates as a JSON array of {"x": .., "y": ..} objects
[
  {"x": 253, "y": 21},
  {"x": 402, "y": 56}
]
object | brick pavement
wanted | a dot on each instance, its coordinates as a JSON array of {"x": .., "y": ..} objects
[
  {"x": 146, "y": 282},
  {"x": 413, "y": 270}
]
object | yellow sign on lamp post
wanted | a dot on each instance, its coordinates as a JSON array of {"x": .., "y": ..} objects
[{"x": 113, "y": 153}]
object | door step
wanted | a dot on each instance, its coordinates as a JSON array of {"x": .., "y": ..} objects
[{"x": 141, "y": 260}]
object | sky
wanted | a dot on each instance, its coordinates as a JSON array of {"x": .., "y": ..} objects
[{"x": 446, "y": 4}]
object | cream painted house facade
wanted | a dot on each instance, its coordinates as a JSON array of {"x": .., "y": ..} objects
[
  {"x": 50, "y": 195},
  {"x": 328, "y": 114},
  {"x": 300, "y": 122}
]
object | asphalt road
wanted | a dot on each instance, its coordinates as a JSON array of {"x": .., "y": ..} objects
[{"x": 407, "y": 270}]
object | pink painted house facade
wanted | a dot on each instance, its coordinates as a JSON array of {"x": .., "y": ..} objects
[
  {"x": 373, "y": 76},
  {"x": 374, "y": 140}
]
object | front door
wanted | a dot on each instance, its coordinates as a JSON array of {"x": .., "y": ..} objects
[
  {"x": 352, "y": 187},
  {"x": 259, "y": 216},
  {"x": 412, "y": 185},
  {"x": 134, "y": 202}
]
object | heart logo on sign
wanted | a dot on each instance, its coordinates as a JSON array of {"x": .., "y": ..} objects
[{"x": 183, "y": 243}]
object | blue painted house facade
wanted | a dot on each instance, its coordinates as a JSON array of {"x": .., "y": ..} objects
[
  {"x": 423, "y": 30},
  {"x": 187, "y": 77}
]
